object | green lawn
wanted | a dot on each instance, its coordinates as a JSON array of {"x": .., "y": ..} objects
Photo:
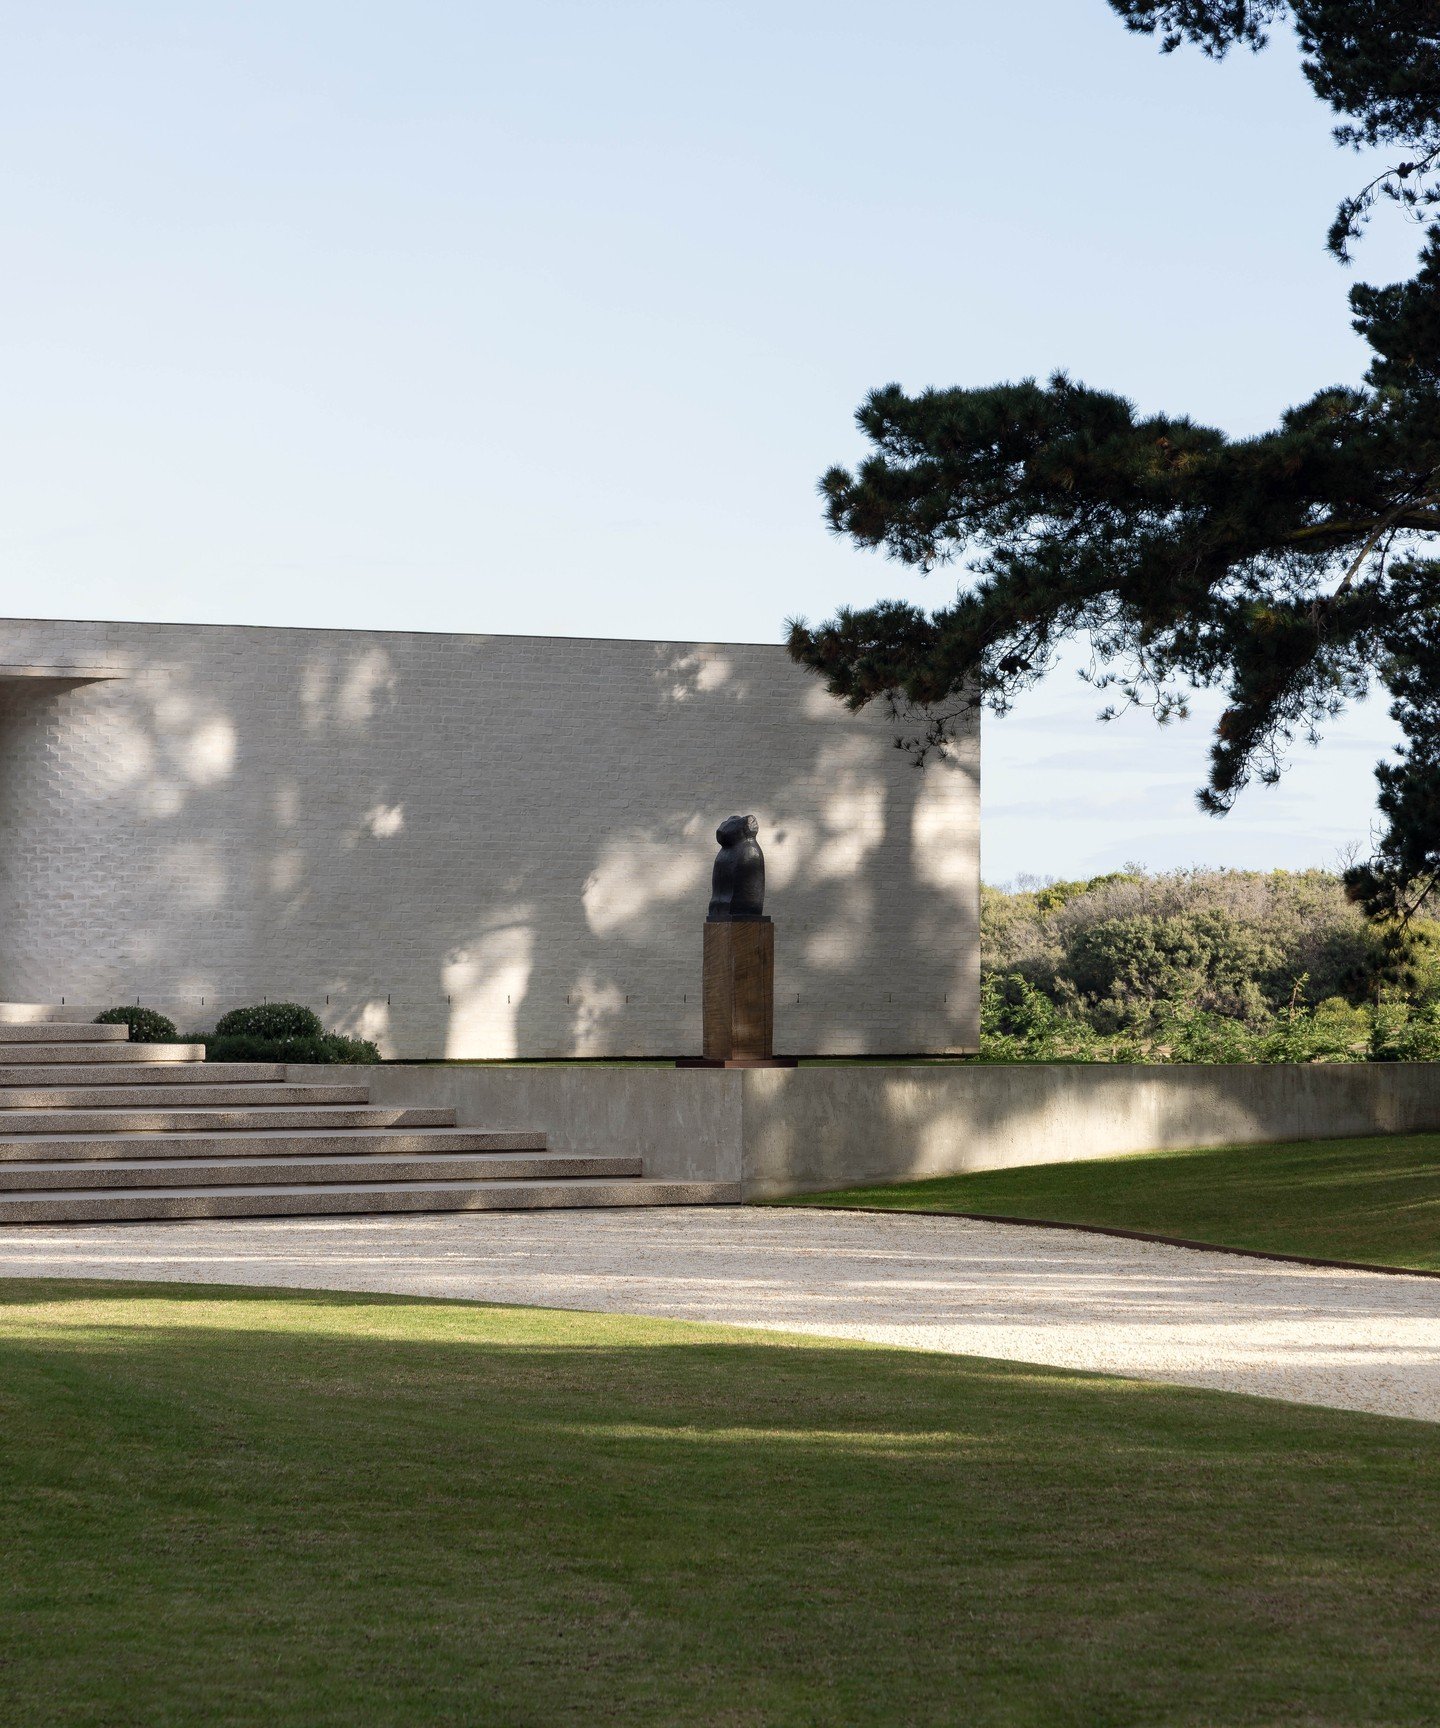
[
  {"x": 225, "y": 1507},
  {"x": 1376, "y": 1201}
]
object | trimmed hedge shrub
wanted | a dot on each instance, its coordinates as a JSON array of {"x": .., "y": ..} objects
[
  {"x": 146, "y": 1025},
  {"x": 328, "y": 1047},
  {"x": 277, "y": 1021},
  {"x": 282, "y": 1032}
]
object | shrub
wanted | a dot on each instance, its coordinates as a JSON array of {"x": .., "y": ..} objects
[
  {"x": 1187, "y": 1033},
  {"x": 1233, "y": 942},
  {"x": 1203, "y": 966},
  {"x": 1020, "y": 1024},
  {"x": 1333, "y": 1032},
  {"x": 146, "y": 1025},
  {"x": 1405, "y": 1033},
  {"x": 328, "y": 1047},
  {"x": 277, "y": 1022},
  {"x": 1204, "y": 956},
  {"x": 282, "y": 1032}
]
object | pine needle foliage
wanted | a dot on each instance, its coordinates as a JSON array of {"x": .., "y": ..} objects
[{"x": 1293, "y": 569}]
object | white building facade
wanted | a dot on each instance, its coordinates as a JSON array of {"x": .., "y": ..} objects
[{"x": 469, "y": 846}]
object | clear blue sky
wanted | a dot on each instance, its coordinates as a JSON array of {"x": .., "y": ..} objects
[{"x": 545, "y": 318}]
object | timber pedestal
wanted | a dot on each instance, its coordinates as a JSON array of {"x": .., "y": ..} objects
[{"x": 739, "y": 996}]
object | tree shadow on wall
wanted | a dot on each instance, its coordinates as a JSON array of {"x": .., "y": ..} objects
[
  {"x": 876, "y": 933},
  {"x": 472, "y": 845}
]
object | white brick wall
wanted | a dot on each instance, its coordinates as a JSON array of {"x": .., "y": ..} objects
[{"x": 470, "y": 845}]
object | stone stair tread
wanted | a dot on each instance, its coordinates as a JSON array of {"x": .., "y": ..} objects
[
  {"x": 60, "y": 1032},
  {"x": 95, "y": 1127},
  {"x": 533, "y": 1141},
  {"x": 145, "y": 1175},
  {"x": 171, "y": 1118},
  {"x": 135, "y": 1204},
  {"x": 326, "y": 1187},
  {"x": 146, "y": 1073},
  {"x": 115, "y": 1100},
  {"x": 110, "y": 1050},
  {"x": 501, "y": 1159},
  {"x": 279, "y": 1143}
]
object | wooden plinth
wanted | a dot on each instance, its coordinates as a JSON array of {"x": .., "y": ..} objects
[{"x": 739, "y": 992}]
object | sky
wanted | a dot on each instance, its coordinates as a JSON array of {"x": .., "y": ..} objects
[{"x": 546, "y": 319}]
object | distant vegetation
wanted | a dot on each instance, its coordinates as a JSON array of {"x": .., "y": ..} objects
[{"x": 1202, "y": 966}]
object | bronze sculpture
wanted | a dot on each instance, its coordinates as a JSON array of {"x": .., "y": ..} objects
[
  {"x": 737, "y": 883},
  {"x": 739, "y": 958}
]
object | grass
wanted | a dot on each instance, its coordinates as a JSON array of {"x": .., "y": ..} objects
[
  {"x": 228, "y": 1507},
  {"x": 1376, "y": 1201}
]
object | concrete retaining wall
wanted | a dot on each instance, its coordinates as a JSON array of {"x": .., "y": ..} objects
[
  {"x": 685, "y": 1123},
  {"x": 795, "y": 1131}
]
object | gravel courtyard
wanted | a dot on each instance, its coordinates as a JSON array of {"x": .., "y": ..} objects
[{"x": 1354, "y": 1340}]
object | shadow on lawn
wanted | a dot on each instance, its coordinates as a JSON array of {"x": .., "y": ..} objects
[{"x": 299, "y": 1507}]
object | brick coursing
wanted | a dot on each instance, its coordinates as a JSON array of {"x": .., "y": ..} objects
[{"x": 470, "y": 845}]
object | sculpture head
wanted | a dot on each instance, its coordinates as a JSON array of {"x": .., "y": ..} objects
[
  {"x": 737, "y": 884},
  {"x": 735, "y": 828}
]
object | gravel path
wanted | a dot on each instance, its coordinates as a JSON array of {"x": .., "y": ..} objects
[{"x": 1354, "y": 1340}]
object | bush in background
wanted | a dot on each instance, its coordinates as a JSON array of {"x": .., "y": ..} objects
[
  {"x": 1404, "y": 1031},
  {"x": 1202, "y": 966},
  {"x": 282, "y": 1032},
  {"x": 146, "y": 1025}
]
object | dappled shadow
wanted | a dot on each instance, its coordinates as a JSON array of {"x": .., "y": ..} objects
[
  {"x": 838, "y": 1127},
  {"x": 355, "y": 1509},
  {"x": 1350, "y": 1340},
  {"x": 473, "y": 846}
]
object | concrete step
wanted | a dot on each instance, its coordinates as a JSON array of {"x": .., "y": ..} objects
[
  {"x": 53, "y": 1032},
  {"x": 325, "y": 1200},
  {"x": 107, "y": 1050},
  {"x": 228, "y": 1173},
  {"x": 188, "y": 1073},
  {"x": 50, "y": 1013},
  {"x": 276, "y": 1143},
  {"x": 113, "y": 1099},
  {"x": 179, "y": 1117}
]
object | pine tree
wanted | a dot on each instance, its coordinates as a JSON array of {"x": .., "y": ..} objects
[{"x": 1293, "y": 569}]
